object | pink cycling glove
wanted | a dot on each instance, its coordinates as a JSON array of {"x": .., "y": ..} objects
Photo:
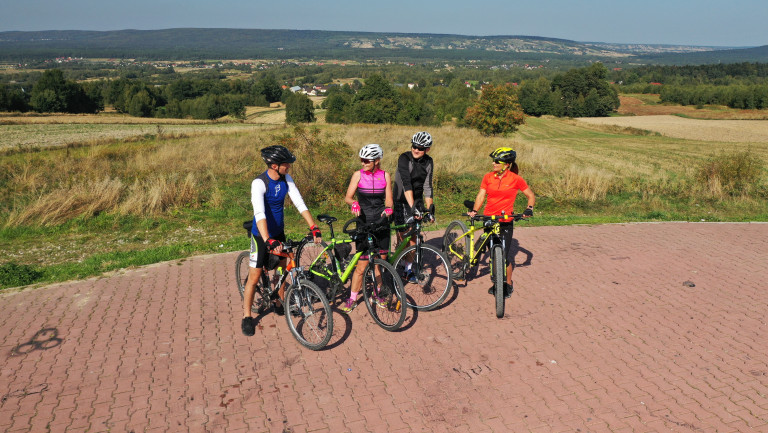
[
  {"x": 388, "y": 211},
  {"x": 355, "y": 207}
]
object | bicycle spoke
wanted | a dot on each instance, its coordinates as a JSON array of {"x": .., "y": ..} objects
[
  {"x": 428, "y": 281},
  {"x": 309, "y": 315}
]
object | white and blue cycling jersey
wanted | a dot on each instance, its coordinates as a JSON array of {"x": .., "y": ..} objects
[{"x": 268, "y": 199}]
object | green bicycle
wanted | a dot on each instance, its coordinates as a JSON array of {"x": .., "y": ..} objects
[
  {"x": 428, "y": 280},
  {"x": 332, "y": 267},
  {"x": 464, "y": 252}
]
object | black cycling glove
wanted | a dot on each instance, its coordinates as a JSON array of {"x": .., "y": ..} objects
[{"x": 528, "y": 212}]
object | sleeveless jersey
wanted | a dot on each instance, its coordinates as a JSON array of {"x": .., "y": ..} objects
[{"x": 371, "y": 193}]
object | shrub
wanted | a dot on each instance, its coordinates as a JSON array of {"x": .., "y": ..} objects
[
  {"x": 14, "y": 275},
  {"x": 730, "y": 173},
  {"x": 323, "y": 165}
]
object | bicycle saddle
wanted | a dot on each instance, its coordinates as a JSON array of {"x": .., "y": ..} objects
[{"x": 326, "y": 218}]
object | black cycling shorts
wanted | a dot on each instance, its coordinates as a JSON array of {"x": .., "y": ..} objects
[
  {"x": 259, "y": 252},
  {"x": 505, "y": 233}
]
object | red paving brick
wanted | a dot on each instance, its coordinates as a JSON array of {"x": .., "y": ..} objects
[{"x": 601, "y": 334}]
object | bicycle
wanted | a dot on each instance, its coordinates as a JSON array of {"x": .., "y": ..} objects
[
  {"x": 460, "y": 245},
  {"x": 307, "y": 310},
  {"x": 333, "y": 267},
  {"x": 430, "y": 278}
]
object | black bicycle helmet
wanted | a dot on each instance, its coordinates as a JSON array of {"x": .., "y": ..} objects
[
  {"x": 277, "y": 155},
  {"x": 504, "y": 154}
]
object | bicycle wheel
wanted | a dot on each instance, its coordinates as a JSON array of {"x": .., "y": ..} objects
[
  {"x": 307, "y": 251},
  {"x": 497, "y": 274},
  {"x": 309, "y": 315},
  {"x": 316, "y": 259},
  {"x": 430, "y": 276},
  {"x": 383, "y": 294},
  {"x": 453, "y": 249}
]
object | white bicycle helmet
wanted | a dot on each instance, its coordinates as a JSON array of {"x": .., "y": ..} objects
[
  {"x": 371, "y": 151},
  {"x": 422, "y": 139}
]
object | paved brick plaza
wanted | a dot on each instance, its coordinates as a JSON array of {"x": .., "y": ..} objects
[{"x": 603, "y": 333}]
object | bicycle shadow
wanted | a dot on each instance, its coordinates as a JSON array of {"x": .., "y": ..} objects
[{"x": 339, "y": 336}]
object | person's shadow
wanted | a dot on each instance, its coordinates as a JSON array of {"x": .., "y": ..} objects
[{"x": 515, "y": 249}]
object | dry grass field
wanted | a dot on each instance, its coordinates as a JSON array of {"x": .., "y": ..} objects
[
  {"x": 649, "y": 105},
  {"x": 124, "y": 197},
  {"x": 731, "y": 131},
  {"x": 18, "y": 132}
]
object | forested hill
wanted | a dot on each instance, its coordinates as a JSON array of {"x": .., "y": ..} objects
[
  {"x": 751, "y": 55},
  {"x": 291, "y": 44}
]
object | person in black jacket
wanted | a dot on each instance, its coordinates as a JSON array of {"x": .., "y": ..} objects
[{"x": 413, "y": 183}]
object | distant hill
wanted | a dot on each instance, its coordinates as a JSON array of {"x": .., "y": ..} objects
[
  {"x": 226, "y": 44},
  {"x": 752, "y": 55}
]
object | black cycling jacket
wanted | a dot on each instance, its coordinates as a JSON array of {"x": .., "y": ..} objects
[{"x": 413, "y": 175}]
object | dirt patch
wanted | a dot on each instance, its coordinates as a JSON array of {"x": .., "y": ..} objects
[{"x": 730, "y": 131}]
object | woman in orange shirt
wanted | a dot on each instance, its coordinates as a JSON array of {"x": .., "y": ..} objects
[{"x": 501, "y": 186}]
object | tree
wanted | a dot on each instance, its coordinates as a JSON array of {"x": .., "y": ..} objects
[
  {"x": 299, "y": 109},
  {"x": 52, "y": 93},
  {"x": 586, "y": 92},
  {"x": 376, "y": 102},
  {"x": 12, "y": 99},
  {"x": 336, "y": 104},
  {"x": 535, "y": 97},
  {"x": 497, "y": 111},
  {"x": 269, "y": 87}
]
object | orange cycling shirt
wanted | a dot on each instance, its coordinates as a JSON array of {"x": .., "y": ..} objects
[{"x": 501, "y": 192}]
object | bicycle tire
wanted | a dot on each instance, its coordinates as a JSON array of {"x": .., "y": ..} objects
[
  {"x": 389, "y": 310},
  {"x": 433, "y": 275},
  {"x": 242, "y": 270},
  {"x": 307, "y": 251},
  {"x": 497, "y": 274},
  {"x": 309, "y": 315},
  {"x": 306, "y": 254},
  {"x": 458, "y": 265}
]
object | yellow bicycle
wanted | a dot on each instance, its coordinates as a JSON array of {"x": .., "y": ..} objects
[{"x": 464, "y": 252}]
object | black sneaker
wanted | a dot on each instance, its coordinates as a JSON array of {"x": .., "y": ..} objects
[
  {"x": 508, "y": 289},
  {"x": 279, "y": 310},
  {"x": 248, "y": 326},
  {"x": 492, "y": 291}
]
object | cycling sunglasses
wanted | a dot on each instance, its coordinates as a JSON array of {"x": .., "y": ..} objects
[
  {"x": 423, "y": 149},
  {"x": 496, "y": 161},
  {"x": 365, "y": 161}
]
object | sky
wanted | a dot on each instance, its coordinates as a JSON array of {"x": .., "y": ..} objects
[{"x": 735, "y": 23}]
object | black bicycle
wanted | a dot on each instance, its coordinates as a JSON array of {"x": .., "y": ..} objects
[
  {"x": 306, "y": 308},
  {"x": 427, "y": 280}
]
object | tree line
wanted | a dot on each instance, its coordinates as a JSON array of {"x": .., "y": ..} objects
[
  {"x": 434, "y": 97},
  {"x": 183, "y": 97}
]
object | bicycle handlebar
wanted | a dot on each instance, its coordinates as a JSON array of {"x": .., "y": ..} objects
[
  {"x": 364, "y": 227},
  {"x": 514, "y": 217}
]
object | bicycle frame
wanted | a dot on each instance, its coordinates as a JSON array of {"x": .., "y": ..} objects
[
  {"x": 290, "y": 269},
  {"x": 472, "y": 257},
  {"x": 342, "y": 274}
]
